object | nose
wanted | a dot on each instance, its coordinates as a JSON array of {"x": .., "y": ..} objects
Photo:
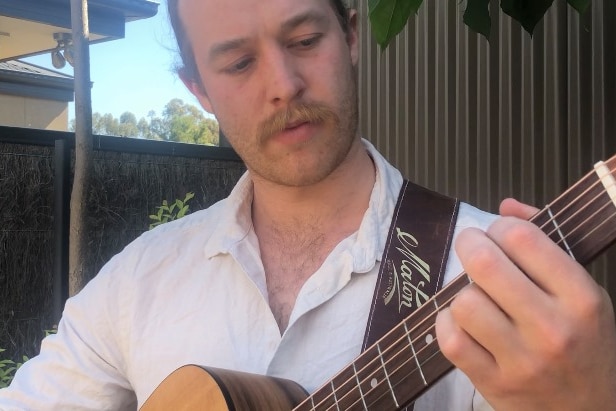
[{"x": 283, "y": 78}]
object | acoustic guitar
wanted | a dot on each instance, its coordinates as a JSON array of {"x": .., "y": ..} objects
[{"x": 398, "y": 368}]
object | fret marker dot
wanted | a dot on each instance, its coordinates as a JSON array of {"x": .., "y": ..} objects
[
  {"x": 374, "y": 383},
  {"x": 429, "y": 339}
]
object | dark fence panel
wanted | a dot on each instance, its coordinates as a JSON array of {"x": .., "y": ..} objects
[
  {"x": 26, "y": 245},
  {"x": 131, "y": 178}
]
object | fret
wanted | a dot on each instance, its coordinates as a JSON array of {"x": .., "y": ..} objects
[
  {"x": 372, "y": 385},
  {"x": 361, "y": 393},
  {"x": 433, "y": 362},
  {"x": 546, "y": 219},
  {"x": 560, "y": 237},
  {"x": 591, "y": 242},
  {"x": 345, "y": 390},
  {"x": 391, "y": 388},
  {"x": 414, "y": 353},
  {"x": 321, "y": 399},
  {"x": 422, "y": 332},
  {"x": 580, "y": 207},
  {"x": 373, "y": 390},
  {"x": 334, "y": 395},
  {"x": 403, "y": 367}
]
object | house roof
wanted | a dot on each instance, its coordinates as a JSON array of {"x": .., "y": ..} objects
[
  {"x": 28, "y": 69},
  {"x": 23, "y": 79},
  {"x": 27, "y": 27}
]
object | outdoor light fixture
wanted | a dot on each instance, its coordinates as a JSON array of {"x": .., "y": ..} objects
[{"x": 63, "y": 51}]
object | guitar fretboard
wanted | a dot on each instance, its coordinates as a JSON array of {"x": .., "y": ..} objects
[{"x": 394, "y": 371}]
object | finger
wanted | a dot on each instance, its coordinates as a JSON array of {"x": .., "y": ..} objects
[
  {"x": 479, "y": 316},
  {"x": 513, "y": 208},
  {"x": 494, "y": 272},
  {"x": 536, "y": 255},
  {"x": 459, "y": 348}
]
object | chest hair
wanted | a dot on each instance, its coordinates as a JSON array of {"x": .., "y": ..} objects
[{"x": 289, "y": 258}]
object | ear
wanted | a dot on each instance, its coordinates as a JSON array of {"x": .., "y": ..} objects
[
  {"x": 352, "y": 37},
  {"x": 197, "y": 89}
]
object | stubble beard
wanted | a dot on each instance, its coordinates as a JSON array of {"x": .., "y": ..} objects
[{"x": 288, "y": 169}]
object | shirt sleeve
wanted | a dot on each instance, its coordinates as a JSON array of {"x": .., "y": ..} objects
[{"x": 81, "y": 367}]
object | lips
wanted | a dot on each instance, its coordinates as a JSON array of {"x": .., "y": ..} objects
[
  {"x": 296, "y": 120},
  {"x": 295, "y": 124}
]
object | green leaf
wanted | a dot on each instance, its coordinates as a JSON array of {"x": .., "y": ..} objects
[
  {"x": 580, "y": 5},
  {"x": 388, "y": 17},
  {"x": 527, "y": 12},
  {"x": 182, "y": 212},
  {"x": 477, "y": 16}
]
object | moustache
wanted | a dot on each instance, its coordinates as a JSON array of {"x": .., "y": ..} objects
[{"x": 296, "y": 114}]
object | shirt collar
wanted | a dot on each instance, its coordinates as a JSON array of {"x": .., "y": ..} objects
[
  {"x": 235, "y": 222},
  {"x": 234, "y": 218}
]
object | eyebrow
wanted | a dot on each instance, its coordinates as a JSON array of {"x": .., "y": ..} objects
[
  {"x": 310, "y": 16},
  {"x": 226, "y": 46}
]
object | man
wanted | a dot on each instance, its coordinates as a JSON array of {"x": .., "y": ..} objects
[{"x": 277, "y": 279}]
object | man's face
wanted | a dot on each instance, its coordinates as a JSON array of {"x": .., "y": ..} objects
[{"x": 279, "y": 77}]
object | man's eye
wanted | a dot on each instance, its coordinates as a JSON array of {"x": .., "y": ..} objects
[
  {"x": 307, "y": 42},
  {"x": 239, "y": 66}
]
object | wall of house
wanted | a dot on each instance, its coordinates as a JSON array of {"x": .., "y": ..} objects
[
  {"x": 516, "y": 116},
  {"x": 29, "y": 112}
]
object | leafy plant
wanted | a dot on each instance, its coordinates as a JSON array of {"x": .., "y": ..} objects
[
  {"x": 169, "y": 212},
  {"x": 388, "y": 17},
  {"x": 8, "y": 368}
]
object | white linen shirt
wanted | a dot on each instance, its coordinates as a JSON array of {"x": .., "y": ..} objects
[{"x": 194, "y": 292}]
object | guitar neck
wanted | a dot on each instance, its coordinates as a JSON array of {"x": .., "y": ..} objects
[{"x": 398, "y": 368}]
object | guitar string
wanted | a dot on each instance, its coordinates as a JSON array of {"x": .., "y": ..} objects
[
  {"x": 608, "y": 204},
  {"x": 444, "y": 305},
  {"x": 430, "y": 328},
  {"x": 425, "y": 334}
]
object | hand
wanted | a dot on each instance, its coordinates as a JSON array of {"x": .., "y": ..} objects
[{"x": 534, "y": 331}]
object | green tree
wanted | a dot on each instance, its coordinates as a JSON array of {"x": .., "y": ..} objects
[
  {"x": 180, "y": 122},
  {"x": 127, "y": 126},
  {"x": 185, "y": 123}
]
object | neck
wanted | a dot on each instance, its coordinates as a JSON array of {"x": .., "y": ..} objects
[{"x": 340, "y": 200}]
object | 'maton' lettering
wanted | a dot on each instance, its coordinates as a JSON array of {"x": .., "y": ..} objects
[{"x": 403, "y": 285}]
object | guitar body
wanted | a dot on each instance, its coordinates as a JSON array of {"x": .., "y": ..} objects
[{"x": 196, "y": 388}]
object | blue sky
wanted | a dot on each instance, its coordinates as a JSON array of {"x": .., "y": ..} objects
[{"x": 135, "y": 73}]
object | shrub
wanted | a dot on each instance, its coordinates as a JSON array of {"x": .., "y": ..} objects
[
  {"x": 8, "y": 367},
  {"x": 169, "y": 212}
]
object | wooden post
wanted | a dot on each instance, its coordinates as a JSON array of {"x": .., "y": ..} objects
[{"x": 83, "y": 146}]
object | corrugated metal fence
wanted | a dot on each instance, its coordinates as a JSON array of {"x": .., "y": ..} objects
[{"x": 515, "y": 116}]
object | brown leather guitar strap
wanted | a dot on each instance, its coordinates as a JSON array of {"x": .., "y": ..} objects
[{"x": 414, "y": 260}]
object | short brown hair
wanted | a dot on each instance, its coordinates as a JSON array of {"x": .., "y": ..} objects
[{"x": 188, "y": 65}]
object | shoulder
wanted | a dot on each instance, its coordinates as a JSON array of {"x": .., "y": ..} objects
[
  {"x": 156, "y": 253},
  {"x": 471, "y": 216}
]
